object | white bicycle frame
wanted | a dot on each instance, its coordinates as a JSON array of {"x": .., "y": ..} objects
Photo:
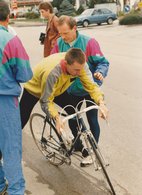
[{"x": 78, "y": 114}]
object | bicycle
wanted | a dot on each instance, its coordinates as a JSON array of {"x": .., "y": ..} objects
[{"x": 57, "y": 149}]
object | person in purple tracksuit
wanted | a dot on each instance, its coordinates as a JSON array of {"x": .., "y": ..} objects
[{"x": 14, "y": 69}]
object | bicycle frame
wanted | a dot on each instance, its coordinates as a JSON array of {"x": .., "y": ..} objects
[
  {"x": 47, "y": 140},
  {"x": 82, "y": 129}
]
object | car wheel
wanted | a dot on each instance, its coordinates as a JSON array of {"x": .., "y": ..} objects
[
  {"x": 99, "y": 24},
  {"x": 110, "y": 21},
  {"x": 85, "y": 23}
]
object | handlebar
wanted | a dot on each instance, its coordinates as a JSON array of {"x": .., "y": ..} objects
[{"x": 80, "y": 112}]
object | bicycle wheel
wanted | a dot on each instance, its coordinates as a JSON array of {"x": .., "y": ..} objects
[
  {"x": 47, "y": 139},
  {"x": 99, "y": 160}
]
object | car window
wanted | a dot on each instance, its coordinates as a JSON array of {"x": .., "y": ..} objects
[
  {"x": 87, "y": 12},
  {"x": 106, "y": 11},
  {"x": 99, "y": 11},
  {"x": 95, "y": 12}
]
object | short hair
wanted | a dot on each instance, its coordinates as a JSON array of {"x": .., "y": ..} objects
[
  {"x": 4, "y": 10},
  {"x": 75, "y": 55},
  {"x": 46, "y": 6},
  {"x": 70, "y": 21}
]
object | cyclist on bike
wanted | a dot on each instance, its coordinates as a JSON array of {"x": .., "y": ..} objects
[{"x": 51, "y": 78}]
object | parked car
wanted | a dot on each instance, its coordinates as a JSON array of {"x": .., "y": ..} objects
[
  {"x": 21, "y": 14},
  {"x": 18, "y": 14},
  {"x": 95, "y": 16}
]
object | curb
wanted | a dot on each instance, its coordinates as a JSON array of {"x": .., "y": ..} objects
[{"x": 26, "y": 24}]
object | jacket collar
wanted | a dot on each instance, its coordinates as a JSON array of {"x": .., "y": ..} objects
[
  {"x": 3, "y": 28},
  {"x": 63, "y": 66}
]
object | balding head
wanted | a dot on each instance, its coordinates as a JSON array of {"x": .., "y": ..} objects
[{"x": 70, "y": 21}]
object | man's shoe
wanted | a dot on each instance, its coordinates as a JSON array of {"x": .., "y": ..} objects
[
  {"x": 86, "y": 161},
  {"x": 4, "y": 190}
]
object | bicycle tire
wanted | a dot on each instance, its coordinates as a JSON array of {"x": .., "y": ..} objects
[
  {"x": 47, "y": 139},
  {"x": 101, "y": 163}
]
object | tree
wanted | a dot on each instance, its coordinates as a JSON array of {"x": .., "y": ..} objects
[
  {"x": 72, "y": 2},
  {"x": 56, "y": 3},
  {"x": 66, "y": 8},
  {"x": 91, "y": 3}
]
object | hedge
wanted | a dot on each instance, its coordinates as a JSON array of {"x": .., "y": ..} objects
[
  {"x": 129, "y": 19},
  {"x": 32, "y": 15}
]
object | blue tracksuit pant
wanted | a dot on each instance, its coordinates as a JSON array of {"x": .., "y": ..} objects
[{"x": 11, "y": 146}]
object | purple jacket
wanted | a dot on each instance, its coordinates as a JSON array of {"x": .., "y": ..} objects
[{"x": 14, "y": 64}]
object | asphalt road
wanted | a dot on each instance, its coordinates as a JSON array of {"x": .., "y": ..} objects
[{"x": 121, "y": 142}]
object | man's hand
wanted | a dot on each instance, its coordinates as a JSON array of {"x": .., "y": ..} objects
[
  {"x": 98, "y": 76},
  {"x": 59, "y": 124},
  {"x": 103, "y": 110}
]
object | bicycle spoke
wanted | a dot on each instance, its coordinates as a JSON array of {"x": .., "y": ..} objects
[{"x": 47, "y": 139}]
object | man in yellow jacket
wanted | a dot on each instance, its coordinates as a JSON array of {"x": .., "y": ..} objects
[{"x": 51, "y": 78}]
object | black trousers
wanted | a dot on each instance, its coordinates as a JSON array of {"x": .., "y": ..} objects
[{"x": 27, "y": 104}]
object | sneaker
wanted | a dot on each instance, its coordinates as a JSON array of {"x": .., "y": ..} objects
[
  {"x": 86, "y": 161},
  {"x": 4, "y": 190}
]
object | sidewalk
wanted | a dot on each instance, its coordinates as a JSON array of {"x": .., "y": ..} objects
[
  {"x": 25, "y": 23},
  {"x": 34, "y": 183},
  {"x": 32, "y": 162}
]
